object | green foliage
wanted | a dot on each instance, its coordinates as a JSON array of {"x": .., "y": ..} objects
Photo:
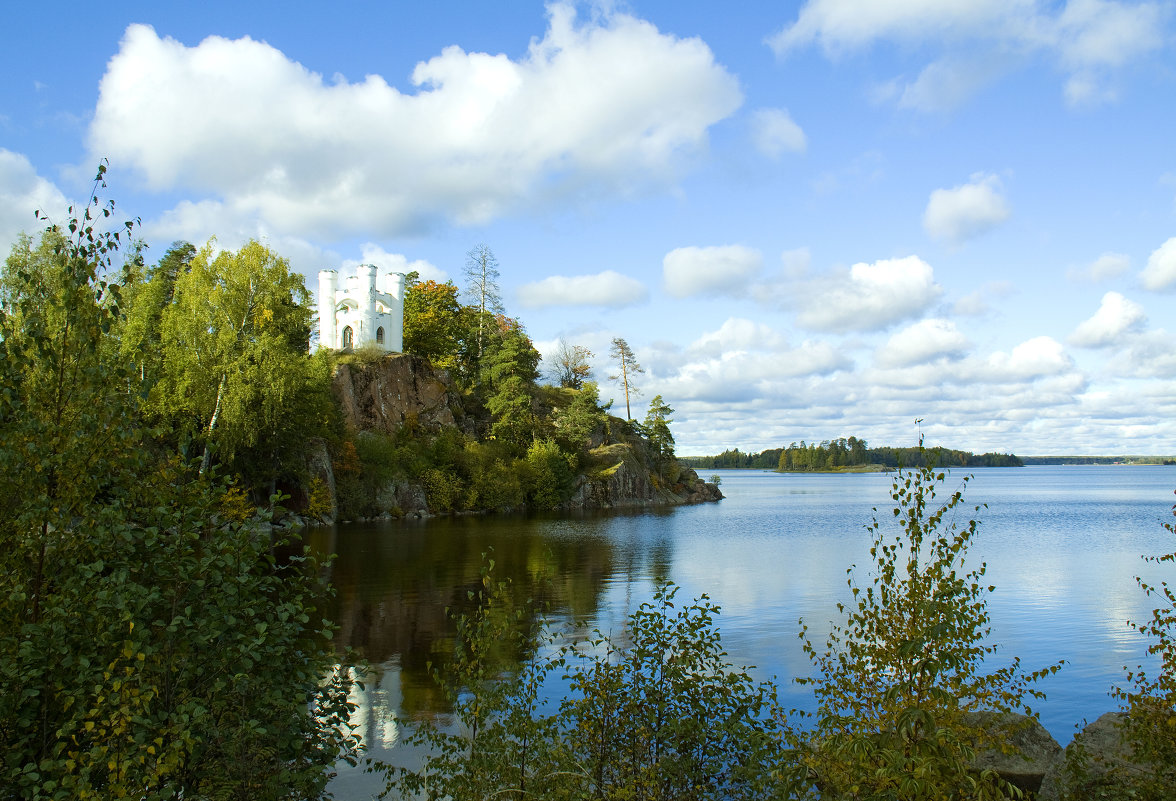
[
  {"x": 1150, "y": 701},
  {"x": 575, "y": 423},
  {"x": 150, "y": 647},
  {"x": 509, "y": 368},
  {"x": 434, "y": 322},
  {"x": 657, "y": 428},
  {"x": 236, "y": 377},
  {"x": 897, "y": 680},
  {"x": 844, "y": 453},
  {"x": 657, "y": 713},
  {"x": 552, "y": 474}
]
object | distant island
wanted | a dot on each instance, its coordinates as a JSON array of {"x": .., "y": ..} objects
[
  {"x": 847, "y": 455},
  {"x": 1038, "y": 460}
]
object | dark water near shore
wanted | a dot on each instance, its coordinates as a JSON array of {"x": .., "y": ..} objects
[{"x": 1062, "y": 545}]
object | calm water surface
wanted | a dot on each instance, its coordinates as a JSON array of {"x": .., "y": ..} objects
[{"x": 1062, "y": 545}]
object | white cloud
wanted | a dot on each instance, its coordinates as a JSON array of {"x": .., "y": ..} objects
[
  {"x": 723, "y": 270},
  {"x": 738, "y": 334},
  {"x": 925, "y": 341},
  {"x": 945, "y": 85},
  {"x": 23, "y": 192},
  {"x": 608, "y": 105},
  {"x": 608, "y": 289},
  {"x": 1108, "y": 265},
  {"x": 869, "y": 296},
  {"x": 1035, "y": 358},
  {"x": 371, "y": 253},
  {"x": 966, "y": 211},
  {"x": 1087, "y": 39},
  {"x": 1160, "y": 273},
  {"x": 775, "y": 133},
  {"x": 976, "y": 304},
  {"x": 1115, "y": 317}
]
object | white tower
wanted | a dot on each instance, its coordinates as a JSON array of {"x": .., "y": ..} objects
[
  {"x": 365, "y": 297},
  {"x": 368, "y": 310},
  {"x": 328, "y": 337}
]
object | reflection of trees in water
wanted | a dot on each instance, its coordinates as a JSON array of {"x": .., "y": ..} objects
[{"x": 397, "y": 582}]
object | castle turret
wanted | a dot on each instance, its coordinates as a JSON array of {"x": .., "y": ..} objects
[
  {"x": 328, "y": 337},
  {"x": 365, "y": 296},
  {"x": 394, "y": 286}
]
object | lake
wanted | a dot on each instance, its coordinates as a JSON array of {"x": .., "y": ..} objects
[{"x": 1063, "y": 546}]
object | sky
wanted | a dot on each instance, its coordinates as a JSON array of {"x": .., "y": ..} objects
[{"x": 809, "y": 220}]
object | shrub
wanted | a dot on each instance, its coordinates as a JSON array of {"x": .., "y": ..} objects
[
  {"x": 655, "y": 714},
  {"x": 1150, "y": 701},
  {"x": 898, "y": 678}
]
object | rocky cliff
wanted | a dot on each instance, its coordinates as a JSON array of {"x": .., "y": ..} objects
[
  {"x": 394, "y": 391},
  {"x": 623, "y": 476},
  {"x": 399, "y": 390}
]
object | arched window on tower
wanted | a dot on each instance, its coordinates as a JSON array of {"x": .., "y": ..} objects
[
  {"x": 348, "y": 337},
  {"x": 380, "y": 335}
]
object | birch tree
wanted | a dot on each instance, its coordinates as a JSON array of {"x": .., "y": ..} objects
[
  {"x": 235, "y": 341},
  {"x": 481, "y": 272}
]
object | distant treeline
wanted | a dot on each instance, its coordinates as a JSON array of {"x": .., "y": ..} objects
[
  {"x": 1099, "y": 460},
  {"x": 848, "y": 453}
]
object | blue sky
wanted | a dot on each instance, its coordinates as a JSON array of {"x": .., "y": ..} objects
[{"x": 809, "y": 220}]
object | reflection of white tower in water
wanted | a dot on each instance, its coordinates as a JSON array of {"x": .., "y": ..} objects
[
  {"x": 368, "y": 311},
  {"x": 375, "y": 705}
]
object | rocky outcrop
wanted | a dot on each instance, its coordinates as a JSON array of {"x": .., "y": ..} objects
[
  {"x": 625, "y": 478},
  {"x": 1028, "y": 750},
  {"x": 395, "y": 391},
  {"x": 399, "y": 390},
  {"x": 1097, "y": 764}
]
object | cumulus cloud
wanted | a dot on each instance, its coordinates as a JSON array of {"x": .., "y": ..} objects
[
  {"x": 775, "y": 133},
  {"x": 868, "y": 297},
  {"x": 723, "y": 270},
  {"x": 925, "y": 341},
  {"x": 966, "y": 211},
  {"x": 23, "y": 192},
  {"x": 1160, "y": 273},
  {"x": 1035, "y": 358},
  {"x": 608, "y": 105},
  {"x": 1087, "y": 39},
  {"x": 738, "y": 333},
  {"x": 608, "y": 289},
  {"x": 1115, "y": 317},
  {"x": 371, "y": 253}
]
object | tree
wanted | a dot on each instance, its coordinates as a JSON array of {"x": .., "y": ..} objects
[
  {"x": 141, "y": 336},
  {"x": 627, "y": 370},
  {"x": 151, "y": 646},
  {"x": 575, "y": 422},
  {"x": 570, "y": 365},
  {"x": 1149, "y": 702},
  {"x": 481, "y": 272},
  {"x": 656, "y": 713},
  {"x": 510, "y": 372},
  {"x": 235, "y": 340},
  {"x": 433, "y": 322},
  {"x": 897, "y": 682},
  {"x": 657, "y": 429}
]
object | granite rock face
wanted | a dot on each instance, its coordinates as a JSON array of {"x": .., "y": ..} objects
[
  {"x": 1032, "y": 749},
  {"x": 394, "y": 391},
  {"x": 1097, "y": 764},
  {"x": 628, "y": 480}
]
